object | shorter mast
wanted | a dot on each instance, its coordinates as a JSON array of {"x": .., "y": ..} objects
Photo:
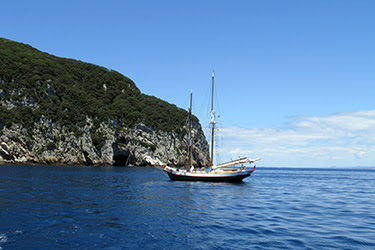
[
  {"x": 190, "y": 140},
  {"x": 212, "y": 122}
]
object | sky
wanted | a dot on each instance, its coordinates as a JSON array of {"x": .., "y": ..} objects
[{"x": 294, "y": 80}]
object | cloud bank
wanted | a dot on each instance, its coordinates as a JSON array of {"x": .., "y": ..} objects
[{"x": 341, "y": 139}]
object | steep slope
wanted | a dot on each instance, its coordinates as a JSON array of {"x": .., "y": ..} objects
[{"x": 57, "y": 110}]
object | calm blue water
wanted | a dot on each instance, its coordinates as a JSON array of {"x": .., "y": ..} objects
[{"x": 136, "y": 208}]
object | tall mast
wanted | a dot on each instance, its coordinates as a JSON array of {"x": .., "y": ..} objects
[
  {"x": 212, "y": 122},
  {"x": 190, "y": 141}
]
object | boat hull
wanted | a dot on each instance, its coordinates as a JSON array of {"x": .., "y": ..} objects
[{"x": 208, "y": 177}]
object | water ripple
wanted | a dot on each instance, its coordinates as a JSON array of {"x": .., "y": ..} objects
[{"x": 108, "y": 207}]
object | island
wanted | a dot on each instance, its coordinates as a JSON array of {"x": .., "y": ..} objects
[{"x": 56, "y": 110}]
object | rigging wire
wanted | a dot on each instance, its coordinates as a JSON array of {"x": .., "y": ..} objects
[{"x": 224, "y": 148}]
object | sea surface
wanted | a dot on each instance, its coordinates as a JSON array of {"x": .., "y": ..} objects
[{"x": 86, "y": 207}]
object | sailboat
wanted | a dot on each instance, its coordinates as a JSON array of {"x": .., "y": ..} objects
[{"x": 232, "y": 171}]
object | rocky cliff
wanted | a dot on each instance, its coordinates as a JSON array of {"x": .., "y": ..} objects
[
  {"x": 51, "y": 143},
  {"x": 61, "y": 111}
]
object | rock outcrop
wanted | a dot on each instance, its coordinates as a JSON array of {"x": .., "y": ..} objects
[{"x": 50, "y": 143}]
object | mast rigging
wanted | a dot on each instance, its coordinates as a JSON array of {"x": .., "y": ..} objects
[
  {"x": 190, "y": 140},
  {"x": 212, "y": 122}
]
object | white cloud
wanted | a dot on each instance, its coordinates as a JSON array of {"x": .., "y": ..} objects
[{"x": 342, "y": 139}]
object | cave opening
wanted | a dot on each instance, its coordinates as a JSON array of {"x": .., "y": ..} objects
[
  {"x": 120, "y": 160},
  {"x": 124, "y": 160}
]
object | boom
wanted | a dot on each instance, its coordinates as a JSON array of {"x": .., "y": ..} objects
[{"x": 235, "y": 162}]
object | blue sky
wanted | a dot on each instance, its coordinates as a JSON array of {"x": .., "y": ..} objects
[{"x": 294, "y": 79}]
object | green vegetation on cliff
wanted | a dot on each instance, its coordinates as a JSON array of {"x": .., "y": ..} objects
[{"x": 67, "y": 91}]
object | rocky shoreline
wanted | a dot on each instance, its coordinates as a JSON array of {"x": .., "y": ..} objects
[{"x": 50, "y": 143}]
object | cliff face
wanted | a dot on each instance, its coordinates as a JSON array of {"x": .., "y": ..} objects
[
  {"x": 51, "y": 143},
  {"x": 62, "y": 111}
]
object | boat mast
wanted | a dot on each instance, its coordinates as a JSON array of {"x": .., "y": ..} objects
[
  {"x": 190, "y": 141},
  {"x": 212, "y": 122}
]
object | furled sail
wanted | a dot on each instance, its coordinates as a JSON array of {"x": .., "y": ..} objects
[{"x": 235, "y": 162}]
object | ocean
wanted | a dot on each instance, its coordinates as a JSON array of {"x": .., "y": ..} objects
[{"x": 89, "y": 207}]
